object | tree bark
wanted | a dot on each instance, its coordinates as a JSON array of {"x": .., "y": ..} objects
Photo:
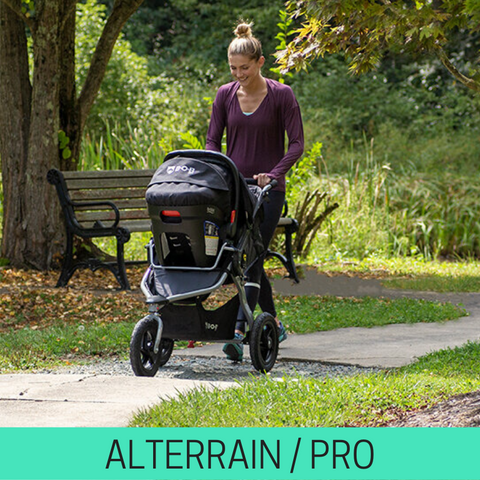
[
  {"x": 15, "y": 95},
  {"x": 40, "y": 230},
  {"x": 68, "y": 91}
]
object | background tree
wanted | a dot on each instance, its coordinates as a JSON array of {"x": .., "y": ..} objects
[
  {"x": 37, "y": 105},
  {"x": 366, "y": 30}
]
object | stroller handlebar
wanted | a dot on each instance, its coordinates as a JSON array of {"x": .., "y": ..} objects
[
  {"x": 273, "y": 183},
  {"x": 264, "y": 191}
]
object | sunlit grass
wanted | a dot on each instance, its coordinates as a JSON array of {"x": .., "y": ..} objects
[
  {"x": 412, "y": 273},
  {"x": 360, "y": 400},
  {"x": 302, "y": 314}
]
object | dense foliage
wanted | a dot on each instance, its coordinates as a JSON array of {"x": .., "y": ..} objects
[{"x": 366, "y": 29}]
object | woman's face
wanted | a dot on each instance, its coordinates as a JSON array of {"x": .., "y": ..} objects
[{"x": 245, "y": 69}]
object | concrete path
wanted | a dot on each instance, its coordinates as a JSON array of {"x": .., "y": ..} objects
[{"x": 42, "y": 400}]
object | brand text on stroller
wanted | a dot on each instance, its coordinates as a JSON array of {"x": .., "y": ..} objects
[
  {"x": 211, "y": 326},
  {"x": 181, "y": 168}
]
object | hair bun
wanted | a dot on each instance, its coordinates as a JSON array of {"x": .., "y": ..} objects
[{"x": 243, "y": 30}]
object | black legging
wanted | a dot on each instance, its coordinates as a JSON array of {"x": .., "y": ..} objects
[{"x": 262, "y": 292}]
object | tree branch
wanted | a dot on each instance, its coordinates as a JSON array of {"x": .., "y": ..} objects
[
  {"x": 18, "y": 11},
  {"x": 468, "y": 82},
  {"x": 122, "y": 11}
]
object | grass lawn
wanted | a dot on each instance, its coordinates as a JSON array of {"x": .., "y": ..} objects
[
  {"x": 307, "y": 314},
  {"x": 412, "y": 273},
  {"x": 362, "y": 400}
]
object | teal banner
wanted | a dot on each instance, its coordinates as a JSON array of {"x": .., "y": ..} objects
[{"x": 235, "y": 453}]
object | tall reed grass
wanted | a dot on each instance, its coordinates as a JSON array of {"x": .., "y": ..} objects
[
  {"x": 442, "y": 212},
  {"x": 139, "y": 149},
  {"x": 360, "y": 226},
  {"x": 399, "y": 211}
]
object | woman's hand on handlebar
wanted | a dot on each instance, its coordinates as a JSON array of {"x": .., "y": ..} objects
[{"x": 262, "y": 179}]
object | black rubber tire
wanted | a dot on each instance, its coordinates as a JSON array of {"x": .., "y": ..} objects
[
  {"x": 264, "y": 342},
  {"x": 144, "y": 362}
]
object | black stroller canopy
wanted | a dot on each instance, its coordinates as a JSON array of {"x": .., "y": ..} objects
[
  {"x": 186, "y": 181},
  {"x": 192, "y": 171}
]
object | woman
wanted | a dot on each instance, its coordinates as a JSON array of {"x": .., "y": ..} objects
[{"x": 256, "y": 112}]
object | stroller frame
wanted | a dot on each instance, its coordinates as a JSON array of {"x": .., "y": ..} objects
[{"x": 149, "y": 350}]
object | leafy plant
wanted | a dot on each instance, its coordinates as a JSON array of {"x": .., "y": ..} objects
[{"x": 286, "y": 30}]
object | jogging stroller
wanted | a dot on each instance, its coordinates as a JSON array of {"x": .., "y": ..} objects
[{"x": 205, "y": 225}]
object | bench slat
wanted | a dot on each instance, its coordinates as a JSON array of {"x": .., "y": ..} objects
[
  {"x": 130, "y": 204},
  {"x": 107, "y": 182},
  {"x": 104, "y": 215},
  {"x": 103, "y": 194},
  {"x": 148, "y": 173},
  {"x": 134, "y": 226},
  {"x": 137, "y": 226},
  {"x": 285, "y": 221}
]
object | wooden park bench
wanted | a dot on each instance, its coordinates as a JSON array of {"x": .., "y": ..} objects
[{"x": 111, "y": 203}]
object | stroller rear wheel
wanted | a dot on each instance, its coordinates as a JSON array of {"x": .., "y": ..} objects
[
  {"x": 145, "y": 362},
  {"x": 264, "y": 342}
]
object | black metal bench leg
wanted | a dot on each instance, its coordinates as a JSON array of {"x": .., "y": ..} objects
[
  {"x": 287, "y": 259},
  {"x": 123, "y": 236},
  {"x": 68, "y": 267},
  {"x": 290, "y": 263}
]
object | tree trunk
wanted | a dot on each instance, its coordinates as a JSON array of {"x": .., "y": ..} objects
[
  {"x": 15, "y": 95},
  {"x": 121, "y": 12},
  {"x": 40, "y": 228},
  {"x": 68, "y": 92}
]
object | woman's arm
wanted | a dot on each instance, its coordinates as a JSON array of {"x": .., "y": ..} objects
[{"x": 294, "y": 129}]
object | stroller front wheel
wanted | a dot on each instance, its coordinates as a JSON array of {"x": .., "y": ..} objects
[
  {"x": 145, "y": 362},
  {"x": 264, "y": 342}
]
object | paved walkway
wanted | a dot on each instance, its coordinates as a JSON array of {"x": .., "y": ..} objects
[{"x": 42, "y": 400}]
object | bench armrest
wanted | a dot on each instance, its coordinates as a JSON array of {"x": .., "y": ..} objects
[{"x": 105, "y": 203}]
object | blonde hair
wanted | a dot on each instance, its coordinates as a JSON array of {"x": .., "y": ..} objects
[{"x": 245, "y": 43}]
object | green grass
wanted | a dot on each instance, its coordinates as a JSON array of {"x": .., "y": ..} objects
[
  {"x": 304, "y": 314},
  {"x": 361, "y": 400},
  {"x": 412, "y": 273},
  {"x": 435, "y": 284},
  {"x": 32, "y": 349},
  {"x": 459, "y": 362}
]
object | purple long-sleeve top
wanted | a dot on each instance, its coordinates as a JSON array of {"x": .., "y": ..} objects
[{"x": 256, "y": 142}]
